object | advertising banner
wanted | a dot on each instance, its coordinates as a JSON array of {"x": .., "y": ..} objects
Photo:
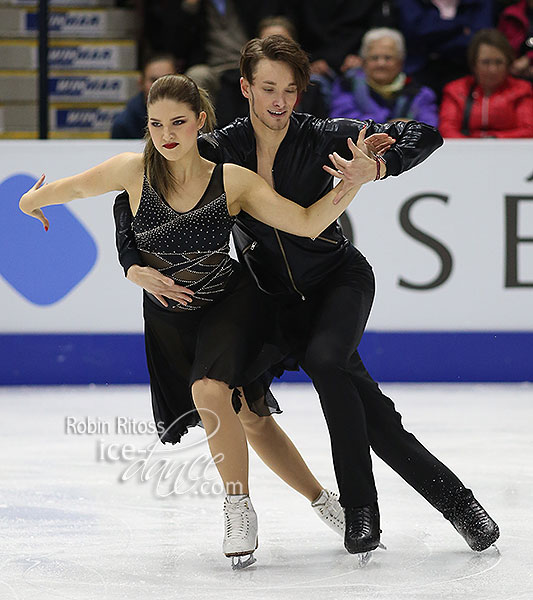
[{"x": 451, "y": 244}]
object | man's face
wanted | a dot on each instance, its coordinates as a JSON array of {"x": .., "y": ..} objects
[
  {"x": 272, "y": 95},
  {"x": 153, "y": 71}
]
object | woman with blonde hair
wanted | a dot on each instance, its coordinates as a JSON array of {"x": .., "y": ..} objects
[{"x": 209, "y": 343}]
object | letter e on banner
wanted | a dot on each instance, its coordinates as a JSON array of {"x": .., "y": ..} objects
[{"x": 513, "y": 240}]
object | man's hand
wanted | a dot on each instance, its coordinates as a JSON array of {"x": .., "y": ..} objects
[
  {"x": 355, "y": 172},
  {"x": 160, "y": 286}
]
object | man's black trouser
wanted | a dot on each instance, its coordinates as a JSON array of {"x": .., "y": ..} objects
[{"x": 325, "y": 331}]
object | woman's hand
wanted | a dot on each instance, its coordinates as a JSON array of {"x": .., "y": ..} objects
[
  {"x": 355, "y": 172},
  {"x": 159, "y": 285},
  {"x": 378, "y": 143},
  {"x": 25, "y": 204}
]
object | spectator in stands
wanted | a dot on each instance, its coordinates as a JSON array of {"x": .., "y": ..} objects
[
  {"x": 331, "y": 31},
  {"x": 380, "y": 90},
  {"x": 277, "y": 25},
  {"x": 131, "y": 122},
  {"x": 165, "y": 29},
  {"x": 220, "y": 29},
  {"x": 230, "y": 103},
  {"x": 438, "y": 33},
  {"x": 489, "y": 103},
  {"x": 516, "y": 23}
]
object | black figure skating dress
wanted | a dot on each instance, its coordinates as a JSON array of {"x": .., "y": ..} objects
[{"x": 223, "y": 333}]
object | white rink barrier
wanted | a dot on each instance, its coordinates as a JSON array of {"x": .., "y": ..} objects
[{"x": 451, "y": 243}]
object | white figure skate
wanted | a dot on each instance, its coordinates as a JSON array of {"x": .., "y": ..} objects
[
  {"x": 240, "y": 531},
  {"x": 329, "y": 510}
]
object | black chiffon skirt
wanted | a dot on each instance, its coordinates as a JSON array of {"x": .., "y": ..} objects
[{"x": 235, "y": 340}]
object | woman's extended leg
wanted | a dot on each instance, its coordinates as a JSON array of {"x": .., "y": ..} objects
[
  {"x": 226, "y": 438},
  {"x": 276, "y": 450},
  {"x": 225, "y": 433}
]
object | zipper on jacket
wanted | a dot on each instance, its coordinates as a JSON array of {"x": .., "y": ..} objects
[
  {"x": 484, "y": 113},
  {"x": 287, "y": 265},
  {"x": 249, "y": 247},
  {"x": 326, "y": 240},
  {"x": 283, "y": 249}
]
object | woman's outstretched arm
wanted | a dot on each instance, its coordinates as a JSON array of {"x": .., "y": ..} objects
[
  {"x": 115, "y": 174},
  {"x": 249, "y": 192}
]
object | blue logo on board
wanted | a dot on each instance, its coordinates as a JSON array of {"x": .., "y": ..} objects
[
  {"x": 78, "y": 86},
  {"x": 41, "y": 266},
  {"x": 84, "y": 118},
  {"x": 65, "y": 21}
]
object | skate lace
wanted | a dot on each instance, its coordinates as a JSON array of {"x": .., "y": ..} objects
[
  {"x": 361, "y": 520},
  {"x": 475, "y": 513},
  {"x": 331, "y": 507},
  {"x": 237, "y": 521}
]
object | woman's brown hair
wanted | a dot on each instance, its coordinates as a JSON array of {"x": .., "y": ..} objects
[
  {"x": 489, "y": 37},
  {"x": 277, "y": 48},
  {"x": 179, "y": 88}
]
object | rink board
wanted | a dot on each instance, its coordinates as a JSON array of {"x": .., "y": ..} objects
[
  {"x": 451, "y": 243},
  {"x": 392, "y": 356}
]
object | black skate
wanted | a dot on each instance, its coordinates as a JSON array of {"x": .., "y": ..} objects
[
  {"x": 362, "y": 531},
  {"x": 473, "y": 522}
]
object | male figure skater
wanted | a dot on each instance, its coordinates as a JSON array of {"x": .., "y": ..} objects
[{"x": 313, "y": 282}]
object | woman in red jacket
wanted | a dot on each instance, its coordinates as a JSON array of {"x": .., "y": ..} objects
[{"x": 489, "y": 103}]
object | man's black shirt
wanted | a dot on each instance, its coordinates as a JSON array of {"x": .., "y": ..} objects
[{"x": 281, "y": 263}]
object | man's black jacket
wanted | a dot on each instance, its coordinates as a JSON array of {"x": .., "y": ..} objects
[{"x": 282, "y": 263}]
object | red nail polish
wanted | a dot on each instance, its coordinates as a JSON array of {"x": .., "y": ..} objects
[{"x": 46, "y": 228}]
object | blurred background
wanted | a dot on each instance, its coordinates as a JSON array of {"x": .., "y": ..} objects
[{"x": 381, "y": 59}]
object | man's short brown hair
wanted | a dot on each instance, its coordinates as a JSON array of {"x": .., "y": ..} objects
[{"x": 278, "y": 48}]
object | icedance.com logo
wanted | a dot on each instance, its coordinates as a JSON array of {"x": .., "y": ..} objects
[{"x": 173, "y": 472}]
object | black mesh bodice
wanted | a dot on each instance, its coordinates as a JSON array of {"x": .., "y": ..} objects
[{"x": 191, "y": 247}]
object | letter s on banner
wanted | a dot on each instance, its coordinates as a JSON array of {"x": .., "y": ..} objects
[{"x": 441, "y": 250}]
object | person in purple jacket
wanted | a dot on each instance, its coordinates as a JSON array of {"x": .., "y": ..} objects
[
  {"x": 380, "y": 90},
  {"x": 437, "y": 33}
]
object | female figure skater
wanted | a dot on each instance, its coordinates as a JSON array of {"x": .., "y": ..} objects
[{"x": 209, "y": 343}]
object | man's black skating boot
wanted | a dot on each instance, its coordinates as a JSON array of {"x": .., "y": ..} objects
[
  {"x": 473, "y": 522},
  {"x": 362, "y": 529}
]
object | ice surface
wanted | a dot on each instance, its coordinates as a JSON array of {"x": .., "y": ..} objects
[{"x": 71, "y": 528}]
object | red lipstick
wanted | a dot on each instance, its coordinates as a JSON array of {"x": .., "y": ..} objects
[{"x": 170, "y": 146}]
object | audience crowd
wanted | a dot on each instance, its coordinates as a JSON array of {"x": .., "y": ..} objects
[{"x": 464, "y": 66}]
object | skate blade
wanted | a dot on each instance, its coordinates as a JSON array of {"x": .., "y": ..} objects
[
  {"x": 363, "y": 558},
  {"x": 237, "y": 562}
]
